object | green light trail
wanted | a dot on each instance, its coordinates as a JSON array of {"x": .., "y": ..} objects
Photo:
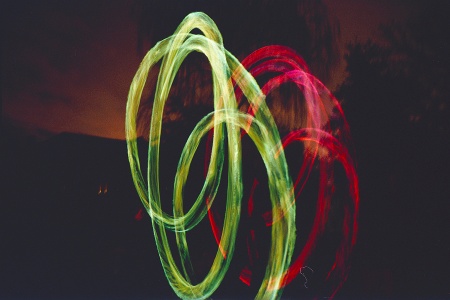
[{"x": 261, "y": 129}]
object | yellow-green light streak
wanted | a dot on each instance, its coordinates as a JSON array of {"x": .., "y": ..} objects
[{"x": 262, "y": 130}]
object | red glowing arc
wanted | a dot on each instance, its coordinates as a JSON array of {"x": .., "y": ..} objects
[{"x": 325, "y": 138}]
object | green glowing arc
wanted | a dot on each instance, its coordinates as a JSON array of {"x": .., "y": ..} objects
[{"x": 261, "y": 129}]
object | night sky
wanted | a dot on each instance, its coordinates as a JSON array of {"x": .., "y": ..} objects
[
  {"x": 75, "y": 227},
  {"x": 67, "y": 66}
]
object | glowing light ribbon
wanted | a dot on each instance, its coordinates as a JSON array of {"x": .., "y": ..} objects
[
  {"x": 261, "y": 129},
  {"x": 258, "y": 123},
  {"x": 325, "y": 138}
]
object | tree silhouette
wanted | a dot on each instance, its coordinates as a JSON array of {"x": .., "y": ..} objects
[
  {"x": 401, "y": 81},
  {"x": 397, "y": 104}
]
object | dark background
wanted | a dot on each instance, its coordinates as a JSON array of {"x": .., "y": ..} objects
[{"x": 71, "y": 220}]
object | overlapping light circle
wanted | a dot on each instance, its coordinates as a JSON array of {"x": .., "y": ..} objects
[{"x": 232, "y": 81}]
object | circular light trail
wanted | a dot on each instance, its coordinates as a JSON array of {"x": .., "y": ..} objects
[{"x": 232, "y": 81}]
